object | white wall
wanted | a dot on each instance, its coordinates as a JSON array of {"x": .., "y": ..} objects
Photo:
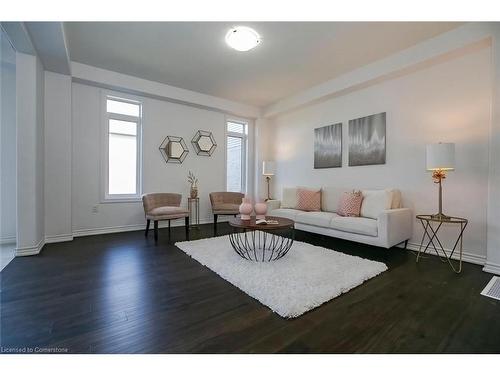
[
  {"x": 57, "y": 157},
  {"x": 262, "y": 146},
  {"x": 493, "y": 256},
  {"x": 445, "y": 102},
  {"x": 160, "y": 118},
  {"x": 7, "y": 141},
  {"x": 30, "y": 154}
]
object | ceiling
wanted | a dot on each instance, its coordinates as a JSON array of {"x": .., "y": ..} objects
[{"x": 293, "y": 56}]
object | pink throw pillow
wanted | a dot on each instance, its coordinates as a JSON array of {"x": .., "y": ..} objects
[
  {"x": 350, "y": 203},
  {"x": 308, "y": 200}
]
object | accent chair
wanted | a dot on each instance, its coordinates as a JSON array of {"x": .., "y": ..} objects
[
  {"x": 225, "y": 203},
  {"x": 163, "y": 206}
]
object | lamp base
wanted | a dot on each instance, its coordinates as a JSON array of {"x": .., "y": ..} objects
[
  {"x": 441, "y": 217},
  {"x": 440, "y": 175},
  {"x": 268, "y": 179}
]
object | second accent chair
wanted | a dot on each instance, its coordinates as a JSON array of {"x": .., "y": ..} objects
[
  {"x": 225, "y": 203},
  {"x": 163, "y": 206}
]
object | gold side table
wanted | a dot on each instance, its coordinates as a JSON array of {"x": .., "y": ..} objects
[
  {"x": 194, "y": 211},
  {"x": 432, "y": 225}
]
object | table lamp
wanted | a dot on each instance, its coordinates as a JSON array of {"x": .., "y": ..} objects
[
  {"x": 268, "y": 170},
  {"x": 440, "y": 158}
]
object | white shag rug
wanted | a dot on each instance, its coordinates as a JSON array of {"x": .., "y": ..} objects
[{"x": 303, "y": 279}]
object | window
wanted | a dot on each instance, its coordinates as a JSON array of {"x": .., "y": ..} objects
[
  {"x": 236, "y": 160},
  {"x": 122, "y": 149}
]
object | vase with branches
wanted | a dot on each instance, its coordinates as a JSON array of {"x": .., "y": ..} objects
[{"x": 194, "y": 185}]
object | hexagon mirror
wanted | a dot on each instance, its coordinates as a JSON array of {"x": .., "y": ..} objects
[
  {"x": 204, "y": 143},
  {"x": 173, "y": 149}
]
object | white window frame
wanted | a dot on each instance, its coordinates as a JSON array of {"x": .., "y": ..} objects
[
  {"x": 244, "y": 154},
  {"x": 125, "y": 98}
]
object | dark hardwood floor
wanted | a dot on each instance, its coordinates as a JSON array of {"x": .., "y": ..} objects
[{"x": 122, "y": 293}]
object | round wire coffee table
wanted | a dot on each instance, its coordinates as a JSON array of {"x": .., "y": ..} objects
[{"x": 261, "y": 242}]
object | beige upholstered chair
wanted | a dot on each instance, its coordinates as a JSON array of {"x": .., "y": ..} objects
[
  {"x": 225, "y": 203},
  {"x": 163, "y": 206}
]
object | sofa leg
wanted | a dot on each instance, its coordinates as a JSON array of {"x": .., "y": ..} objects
[
  {"x": 147, "y": 227},
  {"x": 406, "y": 244},
  {"x": 186, "y": 221},
  {"x": 156, "y": 230}
]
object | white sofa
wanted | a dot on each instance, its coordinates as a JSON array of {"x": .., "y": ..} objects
[{"x": 383, "y": 221}]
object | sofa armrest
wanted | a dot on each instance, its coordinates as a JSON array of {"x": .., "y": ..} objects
[
  {"x": 395, "y": 226},
  {"x": 273, "y": 204}
]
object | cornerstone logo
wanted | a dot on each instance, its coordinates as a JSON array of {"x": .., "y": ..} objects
[{"x": 31, "y": 350}]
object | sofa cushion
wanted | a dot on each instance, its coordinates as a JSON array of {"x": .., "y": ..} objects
[
  {"x": 289, "y": 213},
  {"x": 359, "y": 225},
  {"x": 289, "y": 198},
  {"x": 396, "y": 198},
  {"x": 350, "y": 204},
  {"x": 330, "y": 197},
  {"x": 320, "y": 219},
  {"x": 308, "y": 200},
  {"x": 374, "y": 202},
  {"x": 166, "y": 212},
  {"x": 222, "y": 208}
]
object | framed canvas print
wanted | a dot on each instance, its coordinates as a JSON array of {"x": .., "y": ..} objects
[
  {"x": 367, "y": 140},
  {"x": 328, "y": 146}
]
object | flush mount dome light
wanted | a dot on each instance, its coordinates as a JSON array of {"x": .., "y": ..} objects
[{"x": 242, "y": 38}]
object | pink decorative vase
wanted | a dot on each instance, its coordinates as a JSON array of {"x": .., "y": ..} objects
[
  {"x": 246, "y": 209},
  {"x": 260, "y": 210}
]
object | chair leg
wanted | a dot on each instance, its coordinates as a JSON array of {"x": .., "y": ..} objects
[
  {"x": 169, "y": 227},
  {"x": 406, "y": 244},
  {"x": 156, "y": 230},
  {"x": 186, "y": 221},
  {"x": 147, "y": 227}
]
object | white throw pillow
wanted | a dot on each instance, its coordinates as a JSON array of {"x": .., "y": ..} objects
[
  {"x": 289, "y": 198},
  {"x": 396, "y": 198},
  {"x": 330, "y": 197},
  {"x": 374, "y": 202}
]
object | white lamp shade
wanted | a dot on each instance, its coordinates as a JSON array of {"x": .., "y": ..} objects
[
  {"x": 268, "y": 168},
  {"x": 441, "y": 156}
]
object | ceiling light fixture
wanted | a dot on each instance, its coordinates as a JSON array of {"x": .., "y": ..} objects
[{"x": 242, "y": 38}]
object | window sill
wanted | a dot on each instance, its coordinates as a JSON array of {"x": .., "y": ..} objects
[{"x": 120, "y": 200}]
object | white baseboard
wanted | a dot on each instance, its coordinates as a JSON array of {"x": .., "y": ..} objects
[
  {"x": 135, "y": 227},
  {"x": 29, "y": 250},
  {"x": 107, "y": 230},
  {"x": 6, "y": 240},
  {"x": 492, "y": 268},
  {"x": 34, "y": 250},
  {"x": 59, "y": 238},
  {"x": 466, "y": 255}
]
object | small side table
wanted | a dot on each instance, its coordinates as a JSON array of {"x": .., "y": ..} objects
[
  {"x": 194, "y": 211},
  {"x": 431, "y": 226}
]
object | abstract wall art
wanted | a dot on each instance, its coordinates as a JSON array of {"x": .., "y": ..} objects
[
  {"x": 367, "y": 140},
  {"x": 328, "y": 146}
]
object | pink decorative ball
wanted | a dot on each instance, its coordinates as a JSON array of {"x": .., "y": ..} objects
[
  {"x": 246, "y": 209},
  {"x": 260, "y": 210}
]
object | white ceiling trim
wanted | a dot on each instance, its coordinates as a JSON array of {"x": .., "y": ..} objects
[
  {"x": 19, "y": 37},
  {"x": 105, "y": 78},
  {"x": 461, "y": 40},
  {"x": 49, "y": 40}
]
